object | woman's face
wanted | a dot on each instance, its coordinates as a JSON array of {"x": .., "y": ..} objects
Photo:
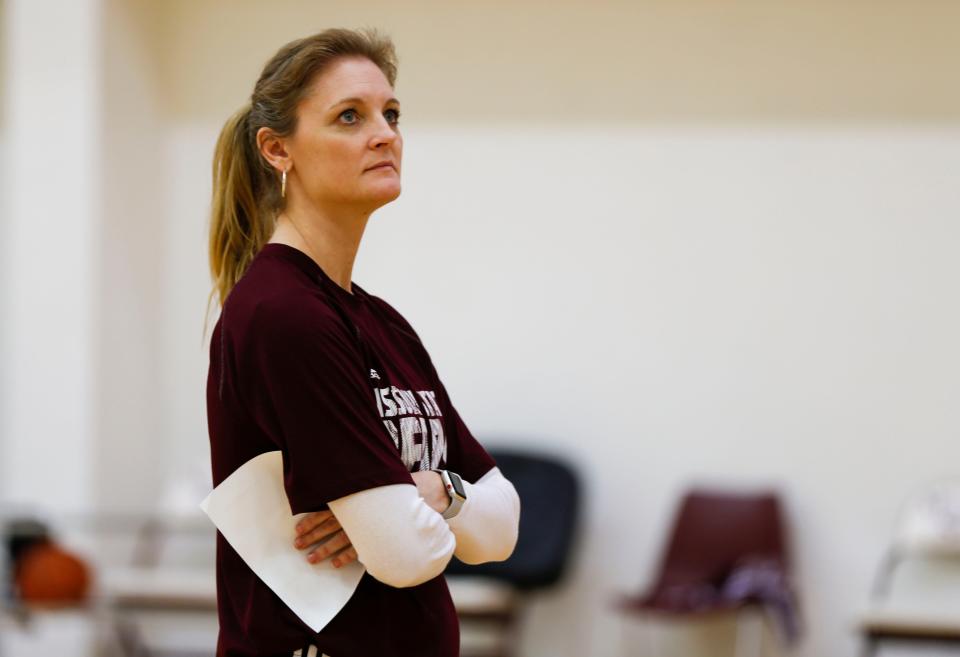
[{"x": 347, "y": 125}]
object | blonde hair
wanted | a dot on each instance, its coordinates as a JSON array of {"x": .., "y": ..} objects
[{"x": 246, "y": 188}]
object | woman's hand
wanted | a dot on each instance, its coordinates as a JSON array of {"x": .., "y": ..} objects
[
  {"x": 431, "y": 489},
  {"x": 321, "y": 525}
]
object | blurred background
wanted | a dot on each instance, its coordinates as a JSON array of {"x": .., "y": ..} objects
[{"x": 671, "y": 245}]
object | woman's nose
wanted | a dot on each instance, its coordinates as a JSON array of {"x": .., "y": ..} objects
[{"x": 384, "y": 134}]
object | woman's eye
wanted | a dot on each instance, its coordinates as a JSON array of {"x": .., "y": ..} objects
[
  {"x": 349, "y": 114},
  {"x": 393, "y": 116}
]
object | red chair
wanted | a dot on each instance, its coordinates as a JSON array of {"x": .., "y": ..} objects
[{"x": 727, "y": 552}]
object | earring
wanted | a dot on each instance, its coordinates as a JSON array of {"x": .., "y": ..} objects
[{"x": 283, "y": 184}]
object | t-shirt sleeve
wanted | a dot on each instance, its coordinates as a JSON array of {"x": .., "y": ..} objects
[
  {"x": 307, "y": 388},
  {"x": 465, "y": 455}
]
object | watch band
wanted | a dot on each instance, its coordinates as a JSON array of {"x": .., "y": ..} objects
[{"x": 455, "y": 490}]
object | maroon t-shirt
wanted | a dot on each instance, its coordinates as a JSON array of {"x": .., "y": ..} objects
[{"x": 342, "y": 385}]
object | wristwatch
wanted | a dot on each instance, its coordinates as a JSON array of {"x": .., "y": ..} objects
[{"x": 454, "y": 486}]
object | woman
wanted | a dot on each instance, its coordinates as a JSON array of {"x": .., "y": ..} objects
[{"x": 304, "y": 361}]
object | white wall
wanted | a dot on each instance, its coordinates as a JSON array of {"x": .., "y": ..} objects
[
  {"x": 674, "y": 305},
  {"x": 131, "y": 436},
  {"x": 675, "y": 241},
  {"x": 49, "y": 253}
]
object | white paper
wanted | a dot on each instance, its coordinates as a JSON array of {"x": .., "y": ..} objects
[{"x": 251, "y": 510}]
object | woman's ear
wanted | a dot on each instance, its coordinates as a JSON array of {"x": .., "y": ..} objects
[{"x": 273, "y": 149}]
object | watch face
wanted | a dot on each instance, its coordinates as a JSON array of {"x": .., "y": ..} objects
[{"x": 457, "y": 484}]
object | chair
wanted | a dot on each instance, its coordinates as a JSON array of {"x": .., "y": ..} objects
[
  {"x": 164, "y": 602},
  {"x": 727, "y": 553},
  {"x": 496, "y": 592},
  {"x": 916, "y": 591}
]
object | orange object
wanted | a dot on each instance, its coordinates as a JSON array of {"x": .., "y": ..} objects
[{"x": 45, "y": 573}]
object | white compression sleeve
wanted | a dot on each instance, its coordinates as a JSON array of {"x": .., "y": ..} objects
[
  {"x": 398, "y": 538},
  {"x": 487, "y": 525}
]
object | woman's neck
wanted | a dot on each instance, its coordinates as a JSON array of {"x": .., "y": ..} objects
[{"x": 332, "y": 239}]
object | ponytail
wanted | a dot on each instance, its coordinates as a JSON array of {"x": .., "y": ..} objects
[{"x": 238, "y": 228}]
